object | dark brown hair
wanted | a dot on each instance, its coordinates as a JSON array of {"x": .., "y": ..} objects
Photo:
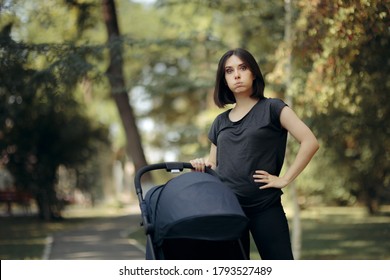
[{"x": 222, "y": 94}]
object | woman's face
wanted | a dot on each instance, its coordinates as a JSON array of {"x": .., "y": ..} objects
[{"x": 238, "y": 76}]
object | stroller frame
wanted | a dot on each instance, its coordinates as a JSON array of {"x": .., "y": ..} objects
[{"x": 172, "y": 167}]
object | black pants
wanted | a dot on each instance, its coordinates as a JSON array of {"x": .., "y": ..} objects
[{"x": 269, "y": 229}]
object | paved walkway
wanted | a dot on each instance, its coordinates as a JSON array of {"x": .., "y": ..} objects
[{"x": 101, "y": 239}]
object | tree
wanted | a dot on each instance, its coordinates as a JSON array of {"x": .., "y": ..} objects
[
  {"x": 118, "y": 88},
  {"x": 41, "y": 124},
  {"x": 343, "y": 48}
]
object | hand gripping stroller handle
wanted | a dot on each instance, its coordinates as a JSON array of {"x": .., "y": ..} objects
[{"x": 173, "y": 167}]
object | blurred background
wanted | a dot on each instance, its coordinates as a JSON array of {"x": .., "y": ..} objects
[{"x": 92, "y": 90}]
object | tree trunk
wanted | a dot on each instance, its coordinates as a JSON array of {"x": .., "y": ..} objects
[
  {"x": 370, "y": 195},
  {"x": 118, "y": 89},
  {"x": 296, "y": 225},
  {"x": 44, "y": 209}
]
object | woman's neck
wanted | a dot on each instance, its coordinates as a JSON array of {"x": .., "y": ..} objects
[
  {"x": 243, "y": 103},
  {"x": 242, "y": 107}
]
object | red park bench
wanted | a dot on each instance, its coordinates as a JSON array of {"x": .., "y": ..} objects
[{"x": 18, "y": 197}]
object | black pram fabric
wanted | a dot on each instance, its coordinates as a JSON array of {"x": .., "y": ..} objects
[{"x": 194, "y": 205}]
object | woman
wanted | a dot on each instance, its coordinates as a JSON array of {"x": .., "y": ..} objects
[{"x": 248, "y": 144}]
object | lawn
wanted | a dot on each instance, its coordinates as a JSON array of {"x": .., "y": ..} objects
[
  {"x": 345, "y": 233},
  {"x": 333, "y": 233}
]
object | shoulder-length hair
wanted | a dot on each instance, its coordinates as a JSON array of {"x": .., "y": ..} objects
[{"x": 222, "y": 94}]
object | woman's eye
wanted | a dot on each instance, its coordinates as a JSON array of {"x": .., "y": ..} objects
[
  {"x": 244, "y": 67},
  {"x": 228, "y": 71}
]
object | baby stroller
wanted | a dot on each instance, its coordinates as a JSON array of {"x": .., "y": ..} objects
[{"x": 193, "y": 216}]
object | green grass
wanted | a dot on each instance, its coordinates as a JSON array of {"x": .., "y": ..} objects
[
  {"x": 345, "y": 234},
  {"x": 332, "y": 233}
]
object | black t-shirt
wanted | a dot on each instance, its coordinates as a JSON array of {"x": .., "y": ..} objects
[{"x": 256, "y": 142}]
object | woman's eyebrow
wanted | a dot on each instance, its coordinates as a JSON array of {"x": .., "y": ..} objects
[{"x": 242, "y": 64}]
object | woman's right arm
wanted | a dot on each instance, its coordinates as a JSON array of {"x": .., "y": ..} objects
[{"x": 199, "y": 164}]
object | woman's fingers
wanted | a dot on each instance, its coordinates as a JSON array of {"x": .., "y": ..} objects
[
  {"x": 261, "y": 176},
  {"x": 269, "y": 180},
  {"x": 198, "y": 164}
]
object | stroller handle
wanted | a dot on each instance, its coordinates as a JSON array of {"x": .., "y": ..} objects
[{"x": 173, "y": 167}]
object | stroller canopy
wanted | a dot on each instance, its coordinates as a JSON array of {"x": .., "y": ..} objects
[{"x": 194, "y": 205}]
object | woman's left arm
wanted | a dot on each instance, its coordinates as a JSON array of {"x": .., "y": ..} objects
[{"x": 308, "y": 147}]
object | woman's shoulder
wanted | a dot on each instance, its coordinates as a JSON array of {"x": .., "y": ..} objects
[
  {"x": 220, "y": 121},
  {"x": 223, "y": 115},
  {"x": 274, "y": 107},
  {"x": 274, "y": 101},
  {"x": 274, "y": 104}
]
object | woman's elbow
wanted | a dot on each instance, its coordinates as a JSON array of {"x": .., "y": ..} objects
[
  {"x": 311, "y": 143},
  {"x": 315, "y": 145}
]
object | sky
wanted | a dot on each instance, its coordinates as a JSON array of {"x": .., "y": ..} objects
[{"x": 145, "y": 1}]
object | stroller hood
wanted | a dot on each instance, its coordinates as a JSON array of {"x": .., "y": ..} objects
[{"x": 194, "y": 205}]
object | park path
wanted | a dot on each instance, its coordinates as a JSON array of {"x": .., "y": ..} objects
[{"x": 104, "y": 238}]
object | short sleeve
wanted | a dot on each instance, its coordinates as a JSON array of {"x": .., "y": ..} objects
[
  {"x": 213, "y": 132},
  {"x": 276, "y": 108}
]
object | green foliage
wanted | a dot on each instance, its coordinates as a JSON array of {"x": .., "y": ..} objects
[
  {"x": 41, "y": 125},
  {"x": 344, "y": 46},
  {"x": 170, "y": 53}
]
